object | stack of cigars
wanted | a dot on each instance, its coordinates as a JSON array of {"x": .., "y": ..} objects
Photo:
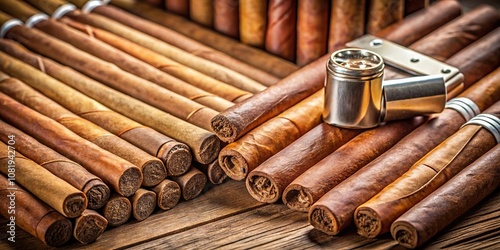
[{"x": 132, "y": 108}]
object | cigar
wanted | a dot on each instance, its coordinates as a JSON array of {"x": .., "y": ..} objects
[
  {"x": 342, "y": 12},
  {"x": 281, "y": 32},
  {"x": 143, "y": 203},
  {"x": 201, "y": 88},
  {"x": 447, "y": 203},
  {"x": 204, "y": 145},
  {"x": 32, "y": 215},
  {"x": 117, "y": 210},
  {"x": 253, "y": 56},
  {"x": 175, "y": 155},
  {"x": 236, "y": 121},
  {"x": 183, "y": 49},
  {"x": 334, "y": 211},
  {"x": 119, "y": 174},
  {"x": 412, "y": 6},
  {"x": 95, "y": 190},
  {"x": 168, "y": 193},
  {"x": 267, "y": 182},
  {"x": 237, "y": 159},
  {"x": 179, "y": 7},
  {"x": 306, "y": 189},
  {"x": 253, "y": 22},
  {"x": 191, "y": 183},
  {"x": 155, "y": 3},
  {"x": 213, "y": 171},
  {"x": 383, "y": 13},
  {"x": 375, "y": 216},
  {"x": 89, "y": 226},
  {"x": 227, "y": 17},
  {"x": 49, "y": 188},
  {"x": 202, "y": 12},
  {"x": 312, "y": 30}
]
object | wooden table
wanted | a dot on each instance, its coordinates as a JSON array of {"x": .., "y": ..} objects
[{"x": 227, "y": 217}]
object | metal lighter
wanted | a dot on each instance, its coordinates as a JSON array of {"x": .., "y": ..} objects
[{"x": 356, "y": 96}]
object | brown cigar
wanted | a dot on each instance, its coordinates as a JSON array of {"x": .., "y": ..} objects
[
  {"x": 185, "y": 50},
  {"x": 345, "y": 11},
  {"x": 191, "y": 183},
  {"x": 375, "y": 216},
  {"x": 117, "y": 210},
  {"x": 253, "y": 56},
  {"x": 312, "y": 30},
  {"x": 175, "y": 155},
  {"x": 155, "y": 3},
  {"x": 168, "y": 193},
  {"x": 383, "y": 13},
  {"x": 180, "y": 7},
  {"x": 96, "y": 191},
  {"x": 450, "y": 201},
  {"x": 32, "y": 215},
  {"x": 227, "y": 17},
  {"x": 119, "y": 174},
  {"x": 49, "y": 188},
  {"x": 213, "y": 171},
  {"x": 334, "y": 211},
  {"x": 307, "y": 188},
  {"x": 202, "y": 12},
  {"x": 281, "y": 31},
  {"x": 253, "y": 22},
  {"x": 411, "y": 6},
  {"x": 237, "y": 159},
  {"x": 143, "y": 203},
  {"x": 267, "y": 182},
  {"x": 89, "y": 226}
]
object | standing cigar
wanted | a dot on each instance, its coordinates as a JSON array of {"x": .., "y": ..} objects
[
  {"x": 95, "y": 190},
  {"x": 191, "y": 183},
  {"x": 313, "y": 183},
  {"x": 411, "y": 6},
  {"x": 202, "y": 12},
  {"x": 117, "y": 210},
  {"x": 237, "y": 159},
  {"x": 180, "y": 7},
  {"x": 213, "y": 171},
  {"x": 49, "y": 188},
  {"x": 32, "y": 215},
  {"x": 312, "y": 30},
  {"x": 447, "y": 203},
  {"x": 155, "y": 3},
  {"x": 345, "y": 11},
  {"x": 383, "y": 13},
  {"x": 375, "y": 216},
  {"x": 152, "y": 168},
  {"x": 281, "y": 31},
  {"x": 143, "y": 204},
  {"x": 245, "y": 53},
  {"x": 175, "y": 155},
  {"x": 236, "y": 121},
  {"x": 124, "y": 177},
  {"x": 253, "y": 22},
  {"x": 89, "y": 226},
  {"x": 227, "y": 17},
  {"x": 168, "y": 193}
]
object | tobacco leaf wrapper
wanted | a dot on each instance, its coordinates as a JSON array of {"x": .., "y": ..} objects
[
  {"x": 455, "y": 197},
  {"x": 375, "y": 216},
  {"x": 89, "y": 226},
  {"x": 312, "y": 30},
  {"x": 143, "y": 203},
  {"x": 345, "y": 11},
  {"x": 253, "y": 22},
  {"x": 95, "y": 190},
  {"x": 191, "y": 183},
  {"x": 180, "y": 7},
  {"x": 412, "y": 6},
  {"x": 253, "y": 56},
  {"x": 168, "y": 193},
  {"x": 175, "y": 155},
  {"x": 382, "y": 13},
  {"x": 117, "y": 210},
  {"x": 281, "y": 31},
  {"x": 34, "y": 216},
  {"x": 202, "y": 12},
  {"x": 227, "y": 17}
]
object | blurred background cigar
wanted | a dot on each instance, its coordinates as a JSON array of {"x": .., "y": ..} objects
[
  {"x": 180, "y": 7},
  {"x": 202, "y": 12},
  {"x": 227, "y": 17},
  {"x": 383, "y": 13},
  {"x": 281, "y": 32},
  {"x": 312, "y": 30},
  {"x": 253, "y": 22},
  {"x": 342, "y": 12}
]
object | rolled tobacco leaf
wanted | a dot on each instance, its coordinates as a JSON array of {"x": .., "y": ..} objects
[
  {"x": 312, "y": 30},
  {"x": 227, "y": 17},
  {"x": 168, "y": 193},
  {"x": 89, "y": 226},
  {"x": 253, "y": 22},
  {"x": 191, "y": 183},
  {"x": 383, "y": 13},
  {"x": 345, "y": 11},
  {"x": 281, "y": 33},
  {"x": 143, "y": 203},
  {"x": 202, "y": 12},
  {"x": 180, "y": 7}
]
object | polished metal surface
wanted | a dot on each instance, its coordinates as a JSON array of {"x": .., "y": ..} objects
[{"x": 489, "y": 122}]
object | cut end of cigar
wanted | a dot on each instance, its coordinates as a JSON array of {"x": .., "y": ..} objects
[
  {"x": 74, "y": 205},
  {"x": 153, "y": 172},
  {"x": 97, "y": 194},
  {"x": 194, "y": 186},
  {"x": 130, "y": 181},
  {"x": 168, "y": 193},
  {"x": 143, "y": 204},
  {"x": 208, "y": 150},
  {"x": 322, "y": 219},
  {"x": 54, "y": 229},
  {"x": 233, "y": 164},
  {"x": 89, "y": 227},
  {"x": 224, "y": 129},
  {"x": 297, "y": 198},
  {"x": 262, "y": 188},
  {"x": 178, "y": 160},
  {"x": 117, "y": 211},
  {"x": 405, "y": 234},
  {"x": 367, "y": 222},
  {"x": 215, "y": 173}
]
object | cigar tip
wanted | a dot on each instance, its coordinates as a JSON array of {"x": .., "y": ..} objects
[
  {"x": 323, "y": 219},
  {"x": 89, "y": 227},
  {"x": 262, "y": 188},
  {"x": 143, "y": 204},
  {"x": 234, "y": 164},
  {"x": 130, "y": 181},
  {"x": 405, "y": 234},
  {"x": 223, "y": 128},
  {"x": 153, "y": 172},
  {"x": 178, "y": 160},
  {"x": 169, "y": 194},
  {"x": 194, "y": 186},
  {"x": 97, "y": 194},
  {"x": 368, "y": 222},
  {"x": 55, "y": 229},
  {"x": 297, "y": 198},
  {"x": 75, "y": 204},
  {"x": 117, "y": 210},
  {"x": 215, "y": 173},
  {"x": 209, "y": 149}
]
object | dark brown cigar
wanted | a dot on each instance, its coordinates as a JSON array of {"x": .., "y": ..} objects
[
  {"x": 191, "y": 183},
  {"x": 227, "y": 17},
  {"x": 143, "y": 203},
  {"x": 281, "y": 33},
  {"x": 411, "y": 6},
  {"x": 342, "y": 12},
  {"x": 312, "y": 30},
  {"x": 168, "y": 194},
  {"x": 213, "y": 171},
  {"x": 89, "y": 226},
  {"x": 383, "y": 13},
  {"x": 117, "y": 210},
  {"x": 180, "y": 7}
]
